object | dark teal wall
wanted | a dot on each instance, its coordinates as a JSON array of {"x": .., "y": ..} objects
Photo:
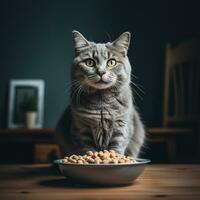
[{"x": 36, "y": 43}]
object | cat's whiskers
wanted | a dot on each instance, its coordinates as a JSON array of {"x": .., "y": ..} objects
[
  {"x": 75, "y": 88},
  {"x": 76, "y": 91},
  {"x": 139, "y": 87},
  {"x": 70, "y": 85},
  {"x": 111, "y": 77},
  {"x": 79, "y": 94},
  {"x": 73, "y": 92},
  {"x": 92, "y": 77},
  {"x": 134, "y": 90},
  {"x": 134, "y": 76}
]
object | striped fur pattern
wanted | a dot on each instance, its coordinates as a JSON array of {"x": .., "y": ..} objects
[{"x": 102, "y": 109}]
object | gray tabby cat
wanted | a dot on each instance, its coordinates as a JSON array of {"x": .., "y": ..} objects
[{"x": 101, "y": 114}]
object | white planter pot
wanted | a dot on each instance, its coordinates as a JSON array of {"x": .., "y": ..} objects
[{"x": 31, "y": 118}]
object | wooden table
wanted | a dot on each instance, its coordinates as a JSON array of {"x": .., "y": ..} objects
[{"x": 156, "y": 182}]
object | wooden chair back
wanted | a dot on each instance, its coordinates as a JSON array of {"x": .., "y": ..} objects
[{"x": 182, "y": 83}]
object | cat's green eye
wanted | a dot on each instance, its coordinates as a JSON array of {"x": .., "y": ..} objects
[
  {"x": 111, "y": 62},
  {"x": 90, "y": 63}
]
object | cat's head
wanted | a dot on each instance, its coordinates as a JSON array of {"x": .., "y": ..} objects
[{"x": 101, "y": 65}]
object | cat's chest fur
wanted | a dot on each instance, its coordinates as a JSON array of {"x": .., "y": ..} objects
[
  {"x": 102, "y": 117},
  {"x": 101, "y": 123},
  {"x": 107, "y": 112}
]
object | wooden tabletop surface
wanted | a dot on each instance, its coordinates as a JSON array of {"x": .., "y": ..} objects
[{"x": 44, "y": 182}]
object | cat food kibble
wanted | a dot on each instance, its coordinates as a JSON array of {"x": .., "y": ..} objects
[{"x": 101, "y": 157}]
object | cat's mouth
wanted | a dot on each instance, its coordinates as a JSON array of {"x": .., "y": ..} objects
[
  {"x": 100, "y": 84},
  {"x": 101, "y": 81}
]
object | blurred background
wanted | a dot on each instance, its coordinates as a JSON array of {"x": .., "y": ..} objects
[{"x": 35, "y": 56}]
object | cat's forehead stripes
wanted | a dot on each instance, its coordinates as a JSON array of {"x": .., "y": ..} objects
[{"x": 99, "y": 52}]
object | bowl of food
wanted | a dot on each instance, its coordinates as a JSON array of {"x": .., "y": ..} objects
[{"x": 101, "y": 168}]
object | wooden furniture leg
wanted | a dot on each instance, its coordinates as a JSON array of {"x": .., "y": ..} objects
[{"x": 171, "y": 148}]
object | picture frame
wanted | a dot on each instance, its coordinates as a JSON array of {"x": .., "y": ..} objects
[{"x": 18, "y": 90}]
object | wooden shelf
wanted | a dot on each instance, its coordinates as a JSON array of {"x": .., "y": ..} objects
[
  {"x": 47, "y": 135},
  {"x": 162, "y": 131},
  {"x": 36, "y": 137},
  {"x": 25, "y": 131},
  {"x": 23, "y": 135}
]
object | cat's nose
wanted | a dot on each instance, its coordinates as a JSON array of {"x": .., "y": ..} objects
[{"x": 101, "y": 72}]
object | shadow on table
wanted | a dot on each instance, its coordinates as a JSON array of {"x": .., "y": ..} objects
[{"x": 65, "y": 183}]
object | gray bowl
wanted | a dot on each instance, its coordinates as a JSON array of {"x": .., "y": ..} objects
[{"x": 102, "y": 174}]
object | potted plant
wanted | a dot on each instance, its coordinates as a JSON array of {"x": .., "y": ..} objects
[{"x": 29, "y": 106}]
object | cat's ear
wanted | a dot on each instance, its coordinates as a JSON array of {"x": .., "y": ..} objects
[
  {"x": 79, "y": 41},
  {"x": 122, "y": 42}
]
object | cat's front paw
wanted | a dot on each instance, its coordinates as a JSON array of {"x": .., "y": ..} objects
[
  {"x": 85, "y": 150},
  {"x": 117, "y": 150}
]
